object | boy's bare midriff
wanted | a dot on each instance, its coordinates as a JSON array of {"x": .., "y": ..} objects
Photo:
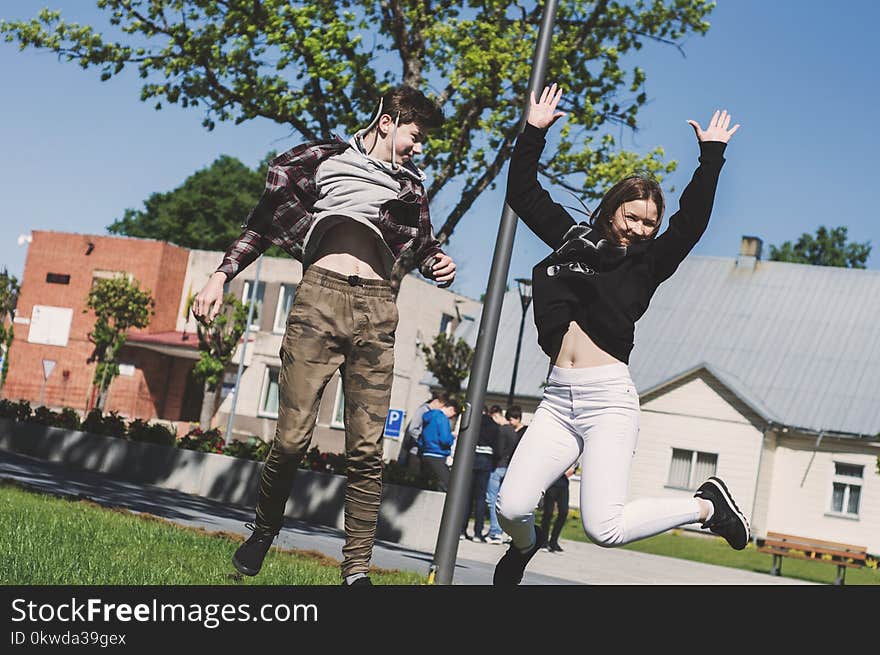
[
  {"x": 579, "y": 351},
  {"x": 351, "y": 248}
]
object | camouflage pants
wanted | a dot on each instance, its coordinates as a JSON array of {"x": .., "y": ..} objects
[{"x": 335, "y": 321}]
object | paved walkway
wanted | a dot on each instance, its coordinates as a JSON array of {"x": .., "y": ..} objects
[{"x": 580, "y": 563}]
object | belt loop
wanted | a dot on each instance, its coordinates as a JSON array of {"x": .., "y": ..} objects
[{"x": 354, "y": 280}]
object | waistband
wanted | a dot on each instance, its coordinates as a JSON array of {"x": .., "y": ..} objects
[
  {"x": 575, "y": 376},
  {"x": 348, "y": 283}
]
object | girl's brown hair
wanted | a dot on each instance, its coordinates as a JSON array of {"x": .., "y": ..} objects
[{"x": 635, "y": 187}]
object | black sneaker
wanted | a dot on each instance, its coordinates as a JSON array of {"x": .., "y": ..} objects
[
  {"x": 727, "y": 521},
  {"x": 554, "y": 547},
  {"x": 360, "y": 582},
  {"x": 248, "y": 559},
  {"x": 510, "y": 568}
]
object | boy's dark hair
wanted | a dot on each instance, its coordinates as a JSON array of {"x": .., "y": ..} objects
[
  {"x": 414, "y": 107},
  {"x": 495, "y": 409},
  {"x": 442, "y": 396},
  {"x": 514, "y": 411}
]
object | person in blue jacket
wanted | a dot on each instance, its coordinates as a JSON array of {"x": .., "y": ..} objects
[{"x": 435, "y": 443}]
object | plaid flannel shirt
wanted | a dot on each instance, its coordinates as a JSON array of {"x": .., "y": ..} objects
[{"x": 284, "y": 215}]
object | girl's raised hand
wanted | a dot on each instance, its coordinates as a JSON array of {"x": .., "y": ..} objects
[
  {"x": 717, "y": 130},
  {"x": 542, "y": 114}
]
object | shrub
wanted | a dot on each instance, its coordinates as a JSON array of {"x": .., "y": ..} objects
[
  {"x": 208, "y": 441},
  {"x": 254, "y": 448},
  {"x": 18, "y": 411},
  {"x": 111, "y": 425},
  {"x": 140, "y": 430},
  {"x": 67, "y": 418}
]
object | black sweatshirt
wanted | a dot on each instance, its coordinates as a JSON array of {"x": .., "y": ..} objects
[{"x": 604, "y": 288}]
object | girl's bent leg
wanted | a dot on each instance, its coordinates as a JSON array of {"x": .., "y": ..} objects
[{"x": 610, "y": 438}]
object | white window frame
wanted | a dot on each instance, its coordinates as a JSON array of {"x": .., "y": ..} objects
[
  {"x": 848, "y": 481},
  {"x": 692, "y": 468},
  {"x": 339, "y": 400},
  {"x": 279, "y": 325},
  {"x": 246, "y": 299},
  {"x": 264, "y": 392}
]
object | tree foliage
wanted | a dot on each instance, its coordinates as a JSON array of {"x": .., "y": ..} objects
[
  {"x": 450, "y": 362},
  {"x": 119, "y": 305},
  {"x": 318, "y": 67},
  {"x": 217, "y": 343},
  {"x": 827, "y": 248},
  {"x": 9, "y": 289},
  {"x": 205, "y": 212}
]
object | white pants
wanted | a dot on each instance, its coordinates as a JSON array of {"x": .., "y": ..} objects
[{"x": 591, "y": 413}]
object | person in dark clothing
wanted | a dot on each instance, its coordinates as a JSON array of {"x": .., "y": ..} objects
[
  {"x": 588, "y": 294},
  {"x": 481, "y": 469},
  {"x": 555, "y": 496},
  {"x": 507, "y": 441},
  {"x": 514, "y": 417}
]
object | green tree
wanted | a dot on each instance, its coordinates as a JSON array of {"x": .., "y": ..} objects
[
  {"x": 9, "y": 288},
  {"x": 217, "y": 343},
  {"x": 119, "y": 305},
  {"x": 205, "y": 212},
  {"x": 317, "y": 66},
  {"x": 827, "y": 248},
  {"x": 450, "y": 362}
]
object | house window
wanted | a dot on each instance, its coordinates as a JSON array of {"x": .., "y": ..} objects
[
  {"x": 846, "y": 488},
  {"x": 338, "y": 420},
  {"x": 258, "y": 301},
  {"x": 285, "y": 300},
  {"x": 446, "y": 325},
  {"x": 690, "y": 468},
  {"x": 269, "y": 395}
]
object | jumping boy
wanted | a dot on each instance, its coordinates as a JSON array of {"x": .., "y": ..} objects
[{"x": 356, "y": 215}]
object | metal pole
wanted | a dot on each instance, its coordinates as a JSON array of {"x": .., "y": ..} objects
[
  {"x": 459, "y": 486},
  {"x": 522, "y": 324},
  {"x": 247, "y": 331}
]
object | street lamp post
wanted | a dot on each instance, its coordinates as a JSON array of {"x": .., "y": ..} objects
[
  {"x": 454, "y": 510},
  {"x": 525, "y": 299}
]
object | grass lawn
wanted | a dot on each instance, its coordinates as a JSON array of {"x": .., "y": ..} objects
[
  {"x": 714, "y": 550},
  {"x": 47, "y": 540}
]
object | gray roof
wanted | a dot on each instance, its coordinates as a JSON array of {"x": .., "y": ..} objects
[{"x": 800, "y": 342}]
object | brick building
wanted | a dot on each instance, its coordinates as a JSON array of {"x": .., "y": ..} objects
[{"x": 52, "y": 326}]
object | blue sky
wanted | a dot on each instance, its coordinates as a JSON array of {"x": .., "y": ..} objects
[{"x": 799, "y": 75}]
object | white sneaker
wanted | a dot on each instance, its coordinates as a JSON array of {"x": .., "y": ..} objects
[{"x": 494, "y": 540}]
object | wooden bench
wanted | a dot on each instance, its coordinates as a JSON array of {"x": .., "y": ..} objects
[{"x": 785, "y": 545}]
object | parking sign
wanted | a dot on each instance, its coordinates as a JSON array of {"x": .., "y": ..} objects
[{"x": 394, "y": 423}]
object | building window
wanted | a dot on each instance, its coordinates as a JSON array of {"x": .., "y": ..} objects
[
  {"x": 258, "y": 301},
  {"x": 690, "y": 468},
  {"x": 269, "y": 396},
  {"x": 338, "y": 420},
  {"x": 57, "y": 278},
  {"x": 446, "y": 325},
  {"x": 846, "y": 489},
  {"x": 285, "y": 300}
]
